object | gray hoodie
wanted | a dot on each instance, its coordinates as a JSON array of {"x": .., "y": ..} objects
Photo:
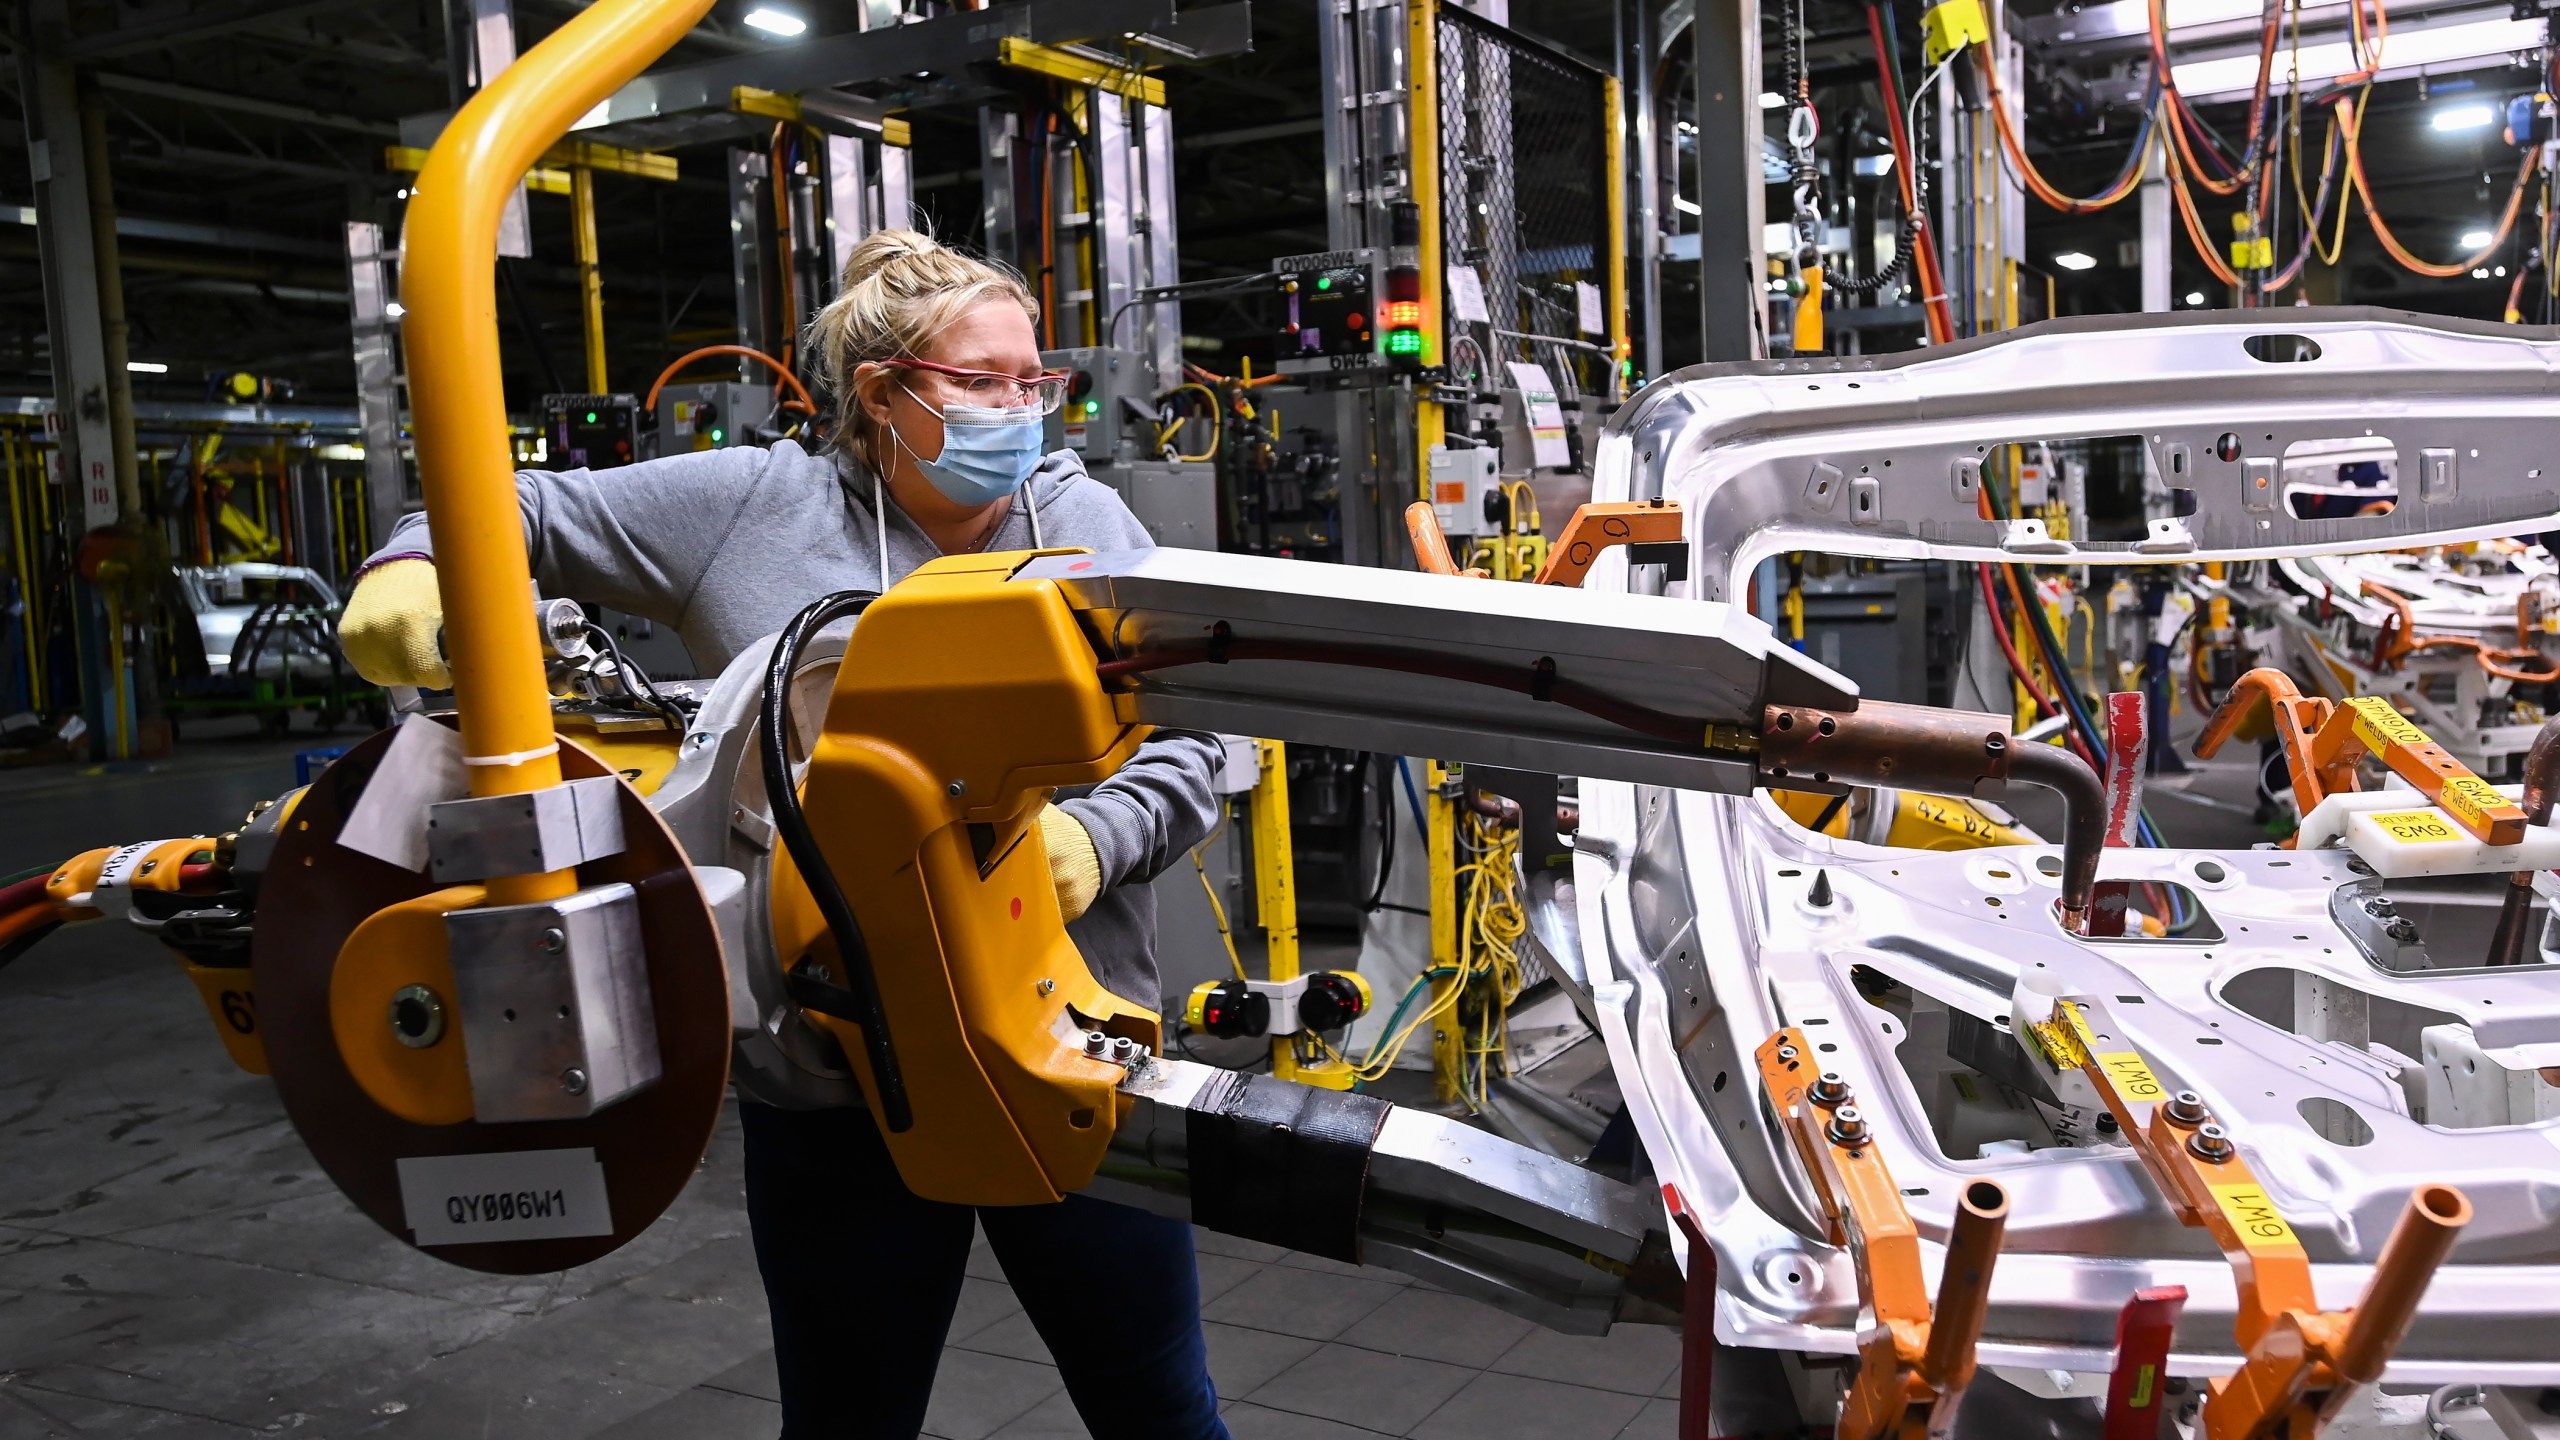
[{"x": 725, "y": 546}]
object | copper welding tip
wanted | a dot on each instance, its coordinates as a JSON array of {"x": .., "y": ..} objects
[
  {"x": 1830, "y": 1088},
  {"x": 2186, "y": 1108},
  {"x": 2210, "y": 1142}
]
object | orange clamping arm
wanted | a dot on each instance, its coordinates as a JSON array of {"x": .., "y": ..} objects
[
  {"x": 2393, "y": 641},
  {"x": 1597, "y": 526},
  {"x": 1908, "y": 1354},
  {"x": 2369, "y": 724},
  {"x": 2298, "y": 718},
  {"x": 1431, "y": 543},
  {"x": 449, "y": 286}
]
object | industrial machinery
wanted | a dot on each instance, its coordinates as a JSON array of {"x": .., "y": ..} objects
[
  {"x": 1985, "y": 1044},
  {"x": 500, "y": 980}
]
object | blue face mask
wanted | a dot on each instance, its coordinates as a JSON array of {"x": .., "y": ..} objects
[{"x": 987, "y": 453}]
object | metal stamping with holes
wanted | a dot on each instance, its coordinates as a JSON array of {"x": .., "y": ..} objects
[
  {"x": 553, "y": 999},
  {"x": 525, "y": 834}
]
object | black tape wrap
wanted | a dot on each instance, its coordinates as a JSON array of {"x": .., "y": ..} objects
[{"x": 1282, "y": 1163}]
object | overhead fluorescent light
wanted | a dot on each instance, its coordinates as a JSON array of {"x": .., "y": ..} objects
[
  {"x": 1684, "y": 204},
  {"x": 1771, "y": 100},
  {"x": 1874, "y": 165},
  {"x": 2461, "y": 117},
  {"x": 146, "y": 367},
  {"x": 2075, "y": 260},
  {"x": 2476, "y": 239},
  {"x": 775, "y": 22},
  {"x": 2486, "y": 41},
  {"x": 2195, "y": 297}
]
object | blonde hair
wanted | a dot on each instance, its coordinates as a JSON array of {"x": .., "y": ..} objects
[{"x": 900, "y": 289}]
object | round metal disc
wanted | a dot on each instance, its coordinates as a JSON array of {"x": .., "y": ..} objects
[{"x": 315, "y": 894}]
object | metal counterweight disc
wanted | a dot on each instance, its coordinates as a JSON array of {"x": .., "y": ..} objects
[{"x": 315, "y": 894}]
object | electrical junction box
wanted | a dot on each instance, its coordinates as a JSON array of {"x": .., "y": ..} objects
[
  {"x": 1110, "y": 396},
  {"x": 1176, "y": 500},
  {"x": 590, "y": 432},
  {"x": 712, "y": 415},
  {"x": 1462, "y": 478},
  {"x": 1334, "y": 328}
]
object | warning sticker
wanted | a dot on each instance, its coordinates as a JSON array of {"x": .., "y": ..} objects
[
  {"x": 2254, "y": 1216},
  {"x": 2131, "y": 1075},
  {"x": 2416, "y": 827},
  {"x": 2379, "y": 726},
  {"x": 2472, "y": 799}
]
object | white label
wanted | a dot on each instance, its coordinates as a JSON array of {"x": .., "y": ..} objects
[
  {"x": 1466, "y": 295},
  {"x": 423, "y": 767},
  {"x": 112, "y": 896},
  {"x": 1545, "y": 416},
  {"x": 1586, "y": 304},
  {"x": 513, "y": 1195}
]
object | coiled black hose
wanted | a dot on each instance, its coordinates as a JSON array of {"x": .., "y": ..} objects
[{"x": 860, "y": 998}]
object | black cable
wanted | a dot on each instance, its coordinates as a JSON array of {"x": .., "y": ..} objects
[
  {"x": 861, "y": 993},
  {"x": 636, "y": 682},
  {"x": 1386, "y": 834}
]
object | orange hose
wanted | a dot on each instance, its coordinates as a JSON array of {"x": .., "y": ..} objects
[
  {"x": 2195, "y": 226},
  {"x": 2353, "y": 114},
  {"x": 2026, "y": 169},
  {"x": 24, "y": 921},
  {"x": 745, "y": 351}
]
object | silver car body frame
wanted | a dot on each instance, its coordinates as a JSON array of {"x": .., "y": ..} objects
[{"x": 1696, "y": 942}]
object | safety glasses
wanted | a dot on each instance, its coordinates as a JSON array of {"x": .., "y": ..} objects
[{"x": 994, "y": 389}]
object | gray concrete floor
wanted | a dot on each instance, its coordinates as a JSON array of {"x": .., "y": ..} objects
[{"x": 172, "y": 1263}]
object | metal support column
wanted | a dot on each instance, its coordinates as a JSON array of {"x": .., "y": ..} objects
[
  {"x": 67, "y": 253},
  {"x": 582, "y": 205},
  {"x": 1732, "y": 204},
  {"x": 370, "y": 291},
  {"x": 1648, "y": 182},
  {"x": 2156, "y": 254}
]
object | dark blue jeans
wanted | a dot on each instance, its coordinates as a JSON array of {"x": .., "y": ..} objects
[{"x": 863, "y": 1276}]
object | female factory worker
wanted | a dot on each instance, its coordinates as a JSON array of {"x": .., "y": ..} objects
[{"x": 933, "y": 356}]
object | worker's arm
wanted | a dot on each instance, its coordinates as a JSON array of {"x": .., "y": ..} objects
[
  {"x": 638, "y": 538},
  {"x": 1153, "y": 811}
]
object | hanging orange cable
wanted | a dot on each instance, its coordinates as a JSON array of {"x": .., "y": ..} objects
[
  {"x": 744, "y": 351},
  {"x": 2180, "y": 117},
  {"x": 2353, "y": 116},
  {"x": 2195, "y": 226},
  {"x": 1924, "y": 248},
  {"x": 2025, "y": 169}
]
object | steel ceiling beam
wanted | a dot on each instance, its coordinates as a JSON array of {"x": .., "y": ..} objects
[
  {"x": 245, "y": 105},
  {"x": 182, "y": 24}
]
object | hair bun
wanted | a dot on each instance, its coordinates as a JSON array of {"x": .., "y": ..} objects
[{"x": 881, "y": 249}]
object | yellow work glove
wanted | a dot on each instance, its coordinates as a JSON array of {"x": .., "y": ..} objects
[
  {"x": 391, "y": 623},
  {"x": 1073, "y": 867}
]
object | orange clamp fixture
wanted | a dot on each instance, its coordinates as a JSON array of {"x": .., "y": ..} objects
[
  {"x": 1911, "y": 1357},
  {"x": 1597, "y": 526},
  {"x": 2298, "y": 717},
  {"x": 2300, "y": 1363},
  {"x": 2368, "y": 724},
  {"x": 1431, "y": 543}
]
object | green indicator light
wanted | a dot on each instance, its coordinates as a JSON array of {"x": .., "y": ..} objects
[
  {"x": 591, "y": 417},
  {"x": 718, "y": 435},
  {"x": 1404, "y": 342},
  {"x": 1093, "y": 407},
  {"x": 1325, "y": 283}
]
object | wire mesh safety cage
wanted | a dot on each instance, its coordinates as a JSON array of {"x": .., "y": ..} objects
[{"x": 1524, "y": 192}]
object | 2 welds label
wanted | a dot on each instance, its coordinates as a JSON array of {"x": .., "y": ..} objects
[{"x": 510, "y": 1195}]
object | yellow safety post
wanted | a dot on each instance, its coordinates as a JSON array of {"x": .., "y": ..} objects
[
  {"x": 464, "y": 466},
  {"x": 1614, "y": 154},
  {"x": 582, "y": 204},
  {"x": 1275, "y": 884},
  {"x": 1448, "y": 1036},
  {"x": 1422, "y": 71}
]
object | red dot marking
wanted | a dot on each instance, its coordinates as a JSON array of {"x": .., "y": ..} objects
[
  {"x": 1017, "y": 907},
  {"x": 1081, "y": 565}
]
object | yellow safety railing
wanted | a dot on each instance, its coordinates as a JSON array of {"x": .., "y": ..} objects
[{"x": 449, "y": 284}]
